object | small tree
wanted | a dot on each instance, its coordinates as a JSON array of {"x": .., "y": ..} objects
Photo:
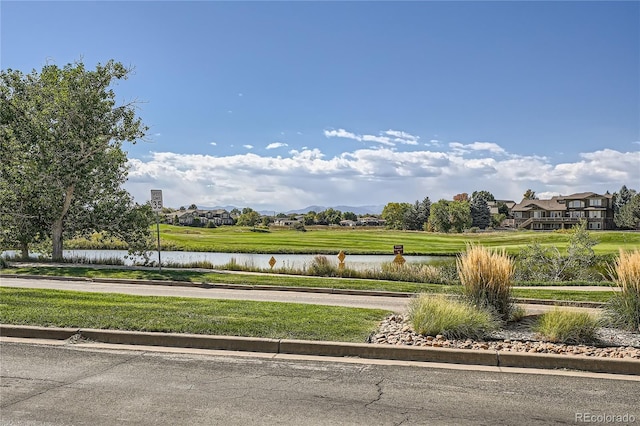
[{"x": 549, "y": 263}]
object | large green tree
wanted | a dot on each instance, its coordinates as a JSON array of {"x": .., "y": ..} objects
[
  {"x": 394, "y": 215},
  {"x": 439, "y": 217},
  {"x": 63, "y": 166},
  {"x": 629, "y": 215},
  {"x": 417, "y": 216}
]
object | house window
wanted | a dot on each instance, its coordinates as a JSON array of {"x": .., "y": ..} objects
[
  {"x": 576, "y": 204},
  {"x": 595, "y": 202},
  {"x": 576, "y": 214},
  {"x": 595, "y": 214},
  {"x": 537, "y": 214}
]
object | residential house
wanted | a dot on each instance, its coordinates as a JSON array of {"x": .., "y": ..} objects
[
  {"x": 202, "y": 217},
  {"x": 562, "y": 212}
]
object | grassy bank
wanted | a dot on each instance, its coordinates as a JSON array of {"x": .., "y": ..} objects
[
  {"x": 330, "y": 240},
  {"x": 57, "y": 308},
  {"x": 294, "y": 281}
]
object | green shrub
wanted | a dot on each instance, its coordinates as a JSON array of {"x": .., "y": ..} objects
[
  {"x": 487, "y": 278},
  {"x": 3, "y": 263},
  {"x": 454, "y": 319},
  {"x": 623, "y": 309},
  {"x": 567, "y": 327}
]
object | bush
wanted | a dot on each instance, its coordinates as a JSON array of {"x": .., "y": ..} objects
[
  {"x": 454, "y": 319},
  {"x": 3, "y": 263},
  {"x": 322, "y": 267},
  {"x": 623, "y": 309},
  {"x": 567, "y": 327},
  {"x": 487, "y": 277}
]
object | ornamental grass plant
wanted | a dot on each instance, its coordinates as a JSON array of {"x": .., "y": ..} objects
[
  {"x": 487, "y": 279},
  {"x": 454, "y": 319},
  {"x": 561, "y": 326},
  {"x": 623, "y": 309}
]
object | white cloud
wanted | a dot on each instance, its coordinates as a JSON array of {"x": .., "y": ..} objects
[
  {"x": 370, "y": 176},
  {"x": 275, "y": 145},
  {"x": 213, "y": 143},
  {"x": 388, "y": 137},
  {"x": 341, "y": 133},
  {"x": 248, "y": 146},
  {"x": 477, "y": 146}
]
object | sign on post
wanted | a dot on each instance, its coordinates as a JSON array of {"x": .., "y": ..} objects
[
  {"x": 156, "y": 206},
  {"x": 398, "y": 249},
  {"x": 156, "y": 200}
]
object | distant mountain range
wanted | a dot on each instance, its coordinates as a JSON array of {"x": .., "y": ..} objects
[{"x": 359, "y": 210}]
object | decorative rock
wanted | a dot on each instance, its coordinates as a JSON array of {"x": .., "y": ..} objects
[{"x": 395, "y": 330}]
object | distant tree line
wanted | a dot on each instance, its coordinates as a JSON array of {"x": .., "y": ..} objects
[{"x": 462, "y": 213}]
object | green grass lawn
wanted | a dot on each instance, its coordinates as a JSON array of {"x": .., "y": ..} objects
[
  {"x": 330, "y": 240},
  {"x": 56, "y": 308}
]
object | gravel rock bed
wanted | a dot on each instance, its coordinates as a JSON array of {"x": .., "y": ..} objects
[{"x": 515, "y": 337}]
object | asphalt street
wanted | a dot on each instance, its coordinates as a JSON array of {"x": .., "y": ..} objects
[{"x": 77, "y": 384}]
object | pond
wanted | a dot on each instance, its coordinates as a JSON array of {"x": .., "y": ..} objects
[{"x": 298, "y": 261}]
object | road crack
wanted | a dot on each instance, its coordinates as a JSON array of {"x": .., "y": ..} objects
[{"x": 61, "y": 384}]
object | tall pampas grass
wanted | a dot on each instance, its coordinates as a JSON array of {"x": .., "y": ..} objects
[
  {"x": 623, "y": 309},
  {"x": 487, "y": 278}
]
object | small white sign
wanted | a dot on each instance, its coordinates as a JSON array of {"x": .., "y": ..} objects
[{"x": 156, "y": 200}]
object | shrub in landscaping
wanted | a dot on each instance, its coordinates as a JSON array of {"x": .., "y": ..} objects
[
  {"x": 3, "y": 263},
  {"x": 623, "y": 309},
  {"x": 454, "y": 319},
  {"x": 567, "y": 327},
  {"x": 487, "y": 279}
]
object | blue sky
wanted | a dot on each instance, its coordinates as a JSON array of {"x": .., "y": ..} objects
[{"x": 281, "y": 105}]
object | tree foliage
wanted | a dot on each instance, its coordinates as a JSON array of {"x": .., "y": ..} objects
[
  {"x": 394, "y": 215},
  {"x": 480, "y": 213},
  {"x": 537, "y": 262},
  {"x": 628, "y": 217},
  {"x": 417, "y": 216},
  {"x": 249, "y": 217},
  {"x": 529, "y": 195},
  {"x": 439, "y": 217},
  {"x": 62, "y": 160},
  {"x": 460, "y": 215},
  {"x": 484, "y": 195}
]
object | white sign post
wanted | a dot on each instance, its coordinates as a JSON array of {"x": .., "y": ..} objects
[{"x": 156, "y": 206}]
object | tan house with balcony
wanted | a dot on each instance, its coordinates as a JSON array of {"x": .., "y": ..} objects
[{"x": 562, "y": 212}]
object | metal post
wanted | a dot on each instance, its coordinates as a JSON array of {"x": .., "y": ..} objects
[{"x": 158, "y": 231}]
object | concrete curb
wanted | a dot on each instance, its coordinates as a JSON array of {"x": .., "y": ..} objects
[{"x": 334, "y": 349}]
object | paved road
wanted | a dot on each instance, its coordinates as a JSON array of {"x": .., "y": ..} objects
[
  {"x": 86, "y": 385},
  {"x": 395, "y": 304}
]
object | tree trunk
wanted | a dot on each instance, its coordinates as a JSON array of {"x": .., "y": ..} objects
[
  {"x": 56, "y": 228},
  {"x": 56, "y": 237},
  {"x": 24, "y": 251}
]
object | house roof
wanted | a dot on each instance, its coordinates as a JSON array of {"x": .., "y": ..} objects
[
  {"x": 555, "y": 202},
  {"x": 527, "y": 205}
]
